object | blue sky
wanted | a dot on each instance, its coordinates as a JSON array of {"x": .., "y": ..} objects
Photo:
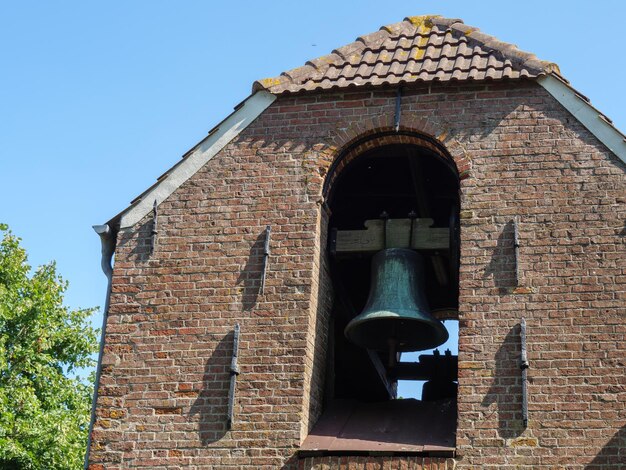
[{"x": 97, "y": 99}]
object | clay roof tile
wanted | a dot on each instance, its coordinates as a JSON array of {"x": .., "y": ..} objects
[{"x": 419, "y": 48}]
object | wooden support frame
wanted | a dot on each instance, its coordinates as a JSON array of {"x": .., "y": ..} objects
[
  {"x": 398, "y": 232},
  {"x": 429, "y": 367}
]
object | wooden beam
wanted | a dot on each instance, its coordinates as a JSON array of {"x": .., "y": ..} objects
[
  {"x": 381, "y": 370},
  {"x": 429, "y": 367},
  {"x": 417, "y": 177},
  {"x": 398, "y": 231}
]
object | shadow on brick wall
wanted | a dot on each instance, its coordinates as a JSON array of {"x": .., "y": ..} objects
[
  {"x": 211, "y": 406},
  {"x": 502, "y": 264},
  {"x": 250, "y": 275},
  {"x": 140, "y": 240},
  {"x": 506, "y": 389},
  {"x": 291, "y": 463},
  {"x": 321, "y": 377},
  {"x": 612, "y": 455}
]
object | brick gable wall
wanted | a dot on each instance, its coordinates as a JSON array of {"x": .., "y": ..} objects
[{"x": 164, "y": 387}]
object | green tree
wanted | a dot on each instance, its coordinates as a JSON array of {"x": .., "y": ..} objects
[{"x": 44, "y": 408}]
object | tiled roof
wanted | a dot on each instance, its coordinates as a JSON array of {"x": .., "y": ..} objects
[{"x": 421, "y": 48}]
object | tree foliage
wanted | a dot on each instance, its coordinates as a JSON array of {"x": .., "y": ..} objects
[{"x": 44, "y": 408}]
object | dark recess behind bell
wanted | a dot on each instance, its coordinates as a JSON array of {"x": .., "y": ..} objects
[
  {"x": 381, "y": 180},
  {"x": 384, "y": 179}
]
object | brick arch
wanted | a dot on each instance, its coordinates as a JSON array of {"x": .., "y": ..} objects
[{"x": 356, "y": 140}]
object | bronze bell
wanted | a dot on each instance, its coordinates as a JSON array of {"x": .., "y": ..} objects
[{"x": 396, "y": 314}]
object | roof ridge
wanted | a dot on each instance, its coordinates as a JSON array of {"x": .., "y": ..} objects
[
  {"x": 481, "y": 64},
  {"x": 508, "y": 50},
  {"x": 429, "y": 35}
]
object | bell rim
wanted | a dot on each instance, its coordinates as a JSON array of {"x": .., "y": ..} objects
[{"x": 440, "y": 328}]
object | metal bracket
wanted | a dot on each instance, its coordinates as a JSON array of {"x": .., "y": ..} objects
[
  {"x": 266, "y": 255},
  {"x": 153, "y": 233},
  {"x": 524, "y": 365},
  {"x": 234, "y": 372},
  {"x": 516, "y": 248},
  {"x": 396, "y": 121},
  {"x": 385, "y": 218}
]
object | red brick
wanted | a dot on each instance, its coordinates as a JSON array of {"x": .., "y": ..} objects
[{"x": 518, "y": 152}]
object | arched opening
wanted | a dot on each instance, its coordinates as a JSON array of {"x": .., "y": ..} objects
[
  {"x": 399, "y": 182},
  {"x": 394, "y": 195}
]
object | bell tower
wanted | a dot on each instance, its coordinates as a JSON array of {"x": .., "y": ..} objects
[
  {"x": 273, "y": 299},
  {"x": 393, "y": 249}
]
